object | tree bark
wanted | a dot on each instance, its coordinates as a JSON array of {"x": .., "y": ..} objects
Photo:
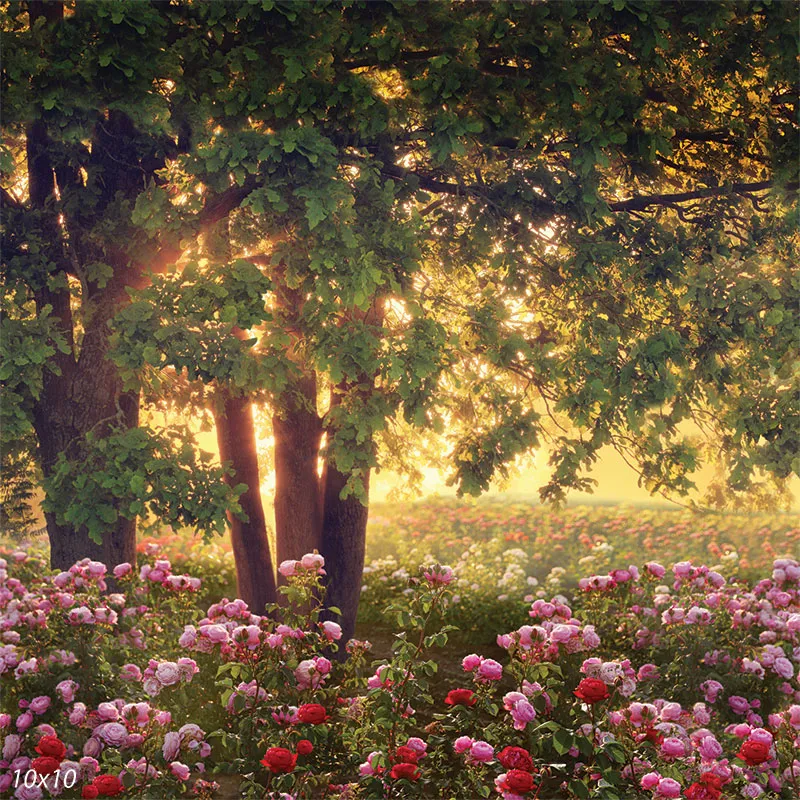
[
  {"x": 86, "y": 396},
  {"x": 297, "y": 430},
  {"x": 255, "y": 578},
  {"x": 298, "y": 433},
  {"x": 85, "y": 393},
  {"x": 344, "y": 537}
]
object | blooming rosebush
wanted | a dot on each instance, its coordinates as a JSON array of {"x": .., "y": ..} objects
[{"x": 646, "y": 681}]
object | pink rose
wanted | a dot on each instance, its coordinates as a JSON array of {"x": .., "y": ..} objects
[
  {"x": 563, "y": 633},
  {"x": 667, "y": 787},
  {"x": 112, "y": 733},
  {"x": 312, "y": 561},
  {"x": 471, "y": 662},
  {"x": 66, "y": 690},
  {"x": 489, "y": 670},
  {"x": 130, "y": 672},
  {"x": 93, "y": 747},
  {"x": 682, "y": 569},
  {"x": 78, "y": 714},
  {"x": 649, "y": 781},
  {"x": 40, "y": 704},
  {"x": 122, "y": 569},
  {"x": 784, "y": 668},
  {"x": 522, "y": 713},
  {"x": 439, "y": 576},
  {"x": 671, "y": 712},
  {"x": 288, "y": 568},
  {"x": 96, "y": 569},
  {"x": 481, "y": 752},
  {"x": 180, "y": 771},
  {"x": 672, "y": 747},
  {"x": 215, "y": 633},
  {"x": 168, "y": 673},
  {"x": 172, "y": 746},
  {"x": 710, "y": 749},
  {"x": 332, "y": 631},
  {"x": 24, "y": 721},
  {"x": 11, "y": 746},
  {"x": 761, "y": 736},
  {"x": 738, "y": 704}
]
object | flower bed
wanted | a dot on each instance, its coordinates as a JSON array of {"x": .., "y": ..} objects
[{"x": 647, "y": 682}]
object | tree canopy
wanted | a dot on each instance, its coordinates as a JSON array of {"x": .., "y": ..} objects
[{"x": 508, "y": 224}]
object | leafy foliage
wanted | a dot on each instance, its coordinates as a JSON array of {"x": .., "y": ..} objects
[
  {"x": 511, "y": 225},
  {"x": 137, "y": 471}
]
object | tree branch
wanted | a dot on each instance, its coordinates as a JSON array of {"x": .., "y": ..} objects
[
  {"x": 217, "y": 208},
  {"x": 8, "y": 199},
  {"x": 401, "y": 57},
  {"x": 643, "y": 202}
]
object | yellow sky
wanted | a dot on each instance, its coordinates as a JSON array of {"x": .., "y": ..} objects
[{"x": 616, "y": 481}]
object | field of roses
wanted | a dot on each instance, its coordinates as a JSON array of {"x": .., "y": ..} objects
[{"x": 573, "y": 654}]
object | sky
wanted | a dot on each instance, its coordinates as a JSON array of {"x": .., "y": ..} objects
[{"x": 616, "y": 481}]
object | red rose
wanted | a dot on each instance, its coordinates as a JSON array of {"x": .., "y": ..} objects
[
  {"x": 45, "y": 765},
  {"x": 654, "y": 736},
  {"x": 51, "y": 746},
  {"x": 407, "y": 755},
  {"x": 279, "y": 759},
  {"x": 591, "y": 690},
  {"x": 518, "y": 781},
  {"x": 515, "y": 758},
  {"x": 711, "y": 780},
  {"x": 407, "y": 771},
  {"x": 702, "y": 791},
  {"x": 304, "y": 747},
  {"x": 754, "y": 753},
  {"x": 108, "y": 785},
  {"x": 312, "y": 713},
  {"x": 460, "y": 697},
  {"x": 89, "y": 792}
]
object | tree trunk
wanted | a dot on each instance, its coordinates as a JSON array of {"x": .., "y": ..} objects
[
  {"x": 86, "y": 396},
  {"x": 85, "y": 393},
  {"x": 255, "y": 578},
  {"x": 297, "y": 430},
  {"x": 298, "y": 433},
  {"x": 344, "y": 537}
]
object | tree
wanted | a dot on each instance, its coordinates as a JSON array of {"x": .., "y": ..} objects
[{"x": 500, "y": 223}]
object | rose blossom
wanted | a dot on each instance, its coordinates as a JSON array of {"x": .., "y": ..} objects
[
  {"x": 40, "y": 704},
  {"x": 66, "y": 690},
  {"x": 112, "y": 733},
  {"x": 481, "y": 752},
  {"x": 489, "y": 670},
  {"x": 171, "y": 746},
  {"x": 180, "y": 771}
]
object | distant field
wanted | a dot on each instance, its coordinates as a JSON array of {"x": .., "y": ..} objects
[{"x": 584, "y": 537}]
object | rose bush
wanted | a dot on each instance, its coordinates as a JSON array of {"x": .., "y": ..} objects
[{"x": 645, "y": 681}]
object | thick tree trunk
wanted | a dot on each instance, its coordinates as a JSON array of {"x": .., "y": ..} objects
[
  {"x": 86, "y": 396},
  {"x": 85, "y": 393},
  {"x": 298, "y": 433},
  {"x": 297, "y": 430},
  {"x": 255, "y": 578},
  {"x": 68, "y": 545},
  {"x": 344, "y": 536}
]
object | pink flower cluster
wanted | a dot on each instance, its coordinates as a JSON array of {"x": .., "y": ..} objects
[
  {"x": 484, "y": 670},
  {"x": 312, "y": 563},
  {"x": 160, "y": 674},
  {"x": 556, "y": 632},
  {"x": 311, "y": 673}
]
